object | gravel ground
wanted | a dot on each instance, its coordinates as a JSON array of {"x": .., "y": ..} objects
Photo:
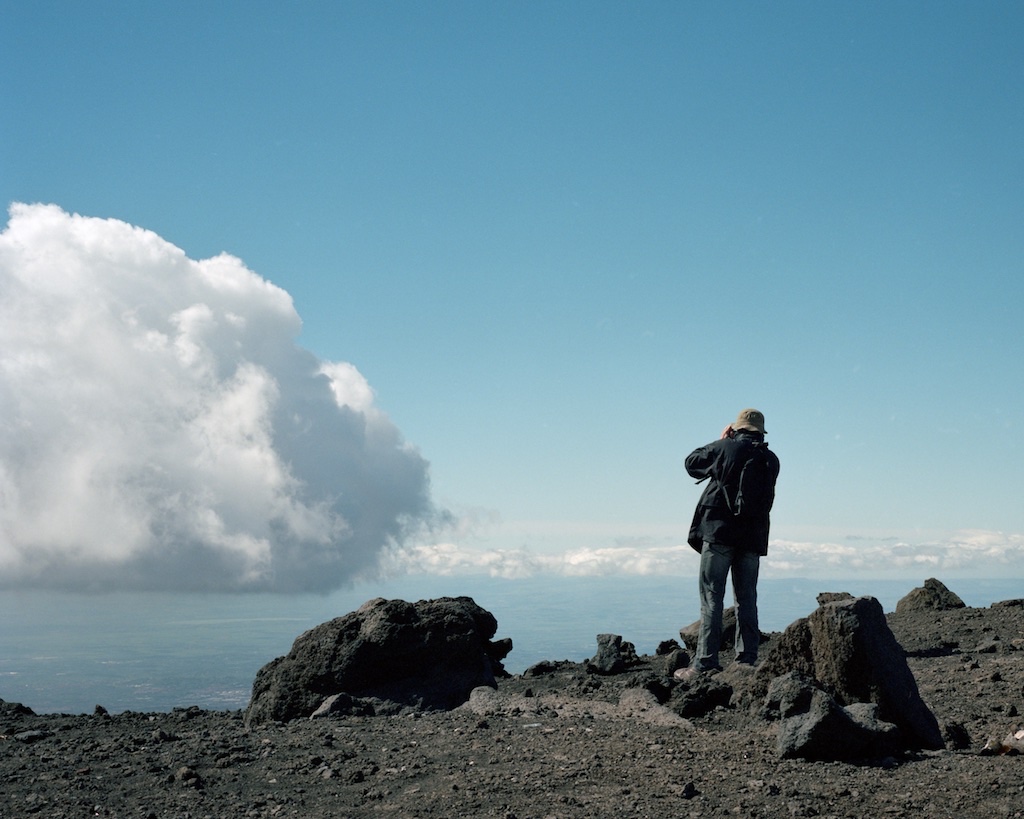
[{"x": 561, "y": 744}]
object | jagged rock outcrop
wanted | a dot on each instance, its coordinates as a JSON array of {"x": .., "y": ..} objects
[
  {"x": 832, "y": 597},
  {"x": 386, "y": 656},
  {"x": 847, "y": 649},
  {"x": 613, "y": 655},
  {"x": 932, "y": 596},
  {"x": 14, "y": 709}
]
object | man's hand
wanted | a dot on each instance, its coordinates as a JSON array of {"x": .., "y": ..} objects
[{"x": 727, "y": 432}]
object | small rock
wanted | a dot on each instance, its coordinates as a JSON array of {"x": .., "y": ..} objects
[
  {"x": 1012, "y": 743},
  {"x": 188, "y": 777},
  {"x": 613, "y": 655},
  {"x": 666, "y": 647},
  {"x": 31, "y": 736},
  {"x": 990, "y": 646}
]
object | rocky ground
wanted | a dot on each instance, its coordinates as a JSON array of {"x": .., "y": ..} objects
[{"x": 566, "y": 743}]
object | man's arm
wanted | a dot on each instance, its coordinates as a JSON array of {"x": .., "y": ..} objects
[{"x": 699, "y": 462}]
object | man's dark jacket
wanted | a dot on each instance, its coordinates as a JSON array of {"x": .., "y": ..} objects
[{"x": 713, "y": 521}]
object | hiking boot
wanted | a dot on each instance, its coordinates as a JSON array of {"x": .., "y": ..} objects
[
  {"x": 691, "y": 673},
  {"x": 687, "y": 674}
]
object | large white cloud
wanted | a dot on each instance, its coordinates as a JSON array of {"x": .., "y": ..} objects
[{"x": 160, "y": 427}]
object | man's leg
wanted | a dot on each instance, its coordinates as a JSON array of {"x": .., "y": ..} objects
[
  {"x": 745, "y": 565},
  {"x": 714, "y": 572}
]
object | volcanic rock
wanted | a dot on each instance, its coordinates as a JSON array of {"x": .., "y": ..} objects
[
  {"x": 613, "y": 655},
  {"x": 832, "y": 597},
  {"x": 386, "y": 656},
  {"x": 14, "y": 709},
  {"x": 703, "y": 695},
  {"x": 847, "y": 647},
  {"x": 932, "y": 596},
  {"x": 815, "y": 727}
]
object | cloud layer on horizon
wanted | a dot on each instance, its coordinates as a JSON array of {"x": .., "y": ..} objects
[
  {"x": 969, "y": 552},
  {"x": 161, "y": 429}
]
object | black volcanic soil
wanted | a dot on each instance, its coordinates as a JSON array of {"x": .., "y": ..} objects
[{"x": 564, "y": 744}]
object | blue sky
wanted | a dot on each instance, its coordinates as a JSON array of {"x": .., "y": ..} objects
[{"x": 564, "y": 243}]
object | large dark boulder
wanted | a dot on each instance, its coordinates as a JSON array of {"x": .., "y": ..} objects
[
  {"x": 933, "y": 596},
  {"x": 388, "y": 655},
  {"x": 814, "y": 726},
  {"x": 847, "y": 648}
]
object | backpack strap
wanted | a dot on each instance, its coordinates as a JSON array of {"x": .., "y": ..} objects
[{"x": 756, "y": 450}]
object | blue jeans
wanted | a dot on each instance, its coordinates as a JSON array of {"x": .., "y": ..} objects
[{"x": 716, "y": 563}]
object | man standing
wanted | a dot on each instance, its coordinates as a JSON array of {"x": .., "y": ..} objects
[{"x": 730, "y": 530}]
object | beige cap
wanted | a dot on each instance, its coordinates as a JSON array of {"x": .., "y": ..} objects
[{"x": 750, "y": 419}]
